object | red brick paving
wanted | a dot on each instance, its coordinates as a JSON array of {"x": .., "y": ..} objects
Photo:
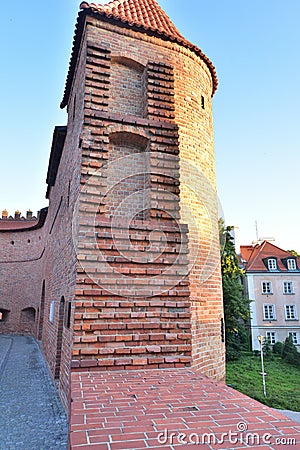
[{"x": 130, "y": 410}]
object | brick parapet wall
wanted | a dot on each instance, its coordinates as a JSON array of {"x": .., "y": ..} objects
[{"x": 21, "y": 255}]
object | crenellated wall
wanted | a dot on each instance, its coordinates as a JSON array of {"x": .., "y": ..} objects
[{"x": 21, "y": 257}]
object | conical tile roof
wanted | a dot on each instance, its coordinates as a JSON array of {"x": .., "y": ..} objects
[
  {"x": 146, "y": 15},
  {"x": 142, "y": 13}
]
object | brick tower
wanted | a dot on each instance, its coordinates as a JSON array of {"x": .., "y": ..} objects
[
  {"x": 125, "y": 263},
  {"x": 148, "y": 290}
]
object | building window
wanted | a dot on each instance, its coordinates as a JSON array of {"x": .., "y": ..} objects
[
  {"x": 291, "y": 264},
  {"x": 271, "y": 337},
  {"x": 52, "y": 310},
  {"x": 272, "y": 264},
  {"x": 290, "y": 312},
  {"x": 269, "y": 312},
  {"x": 295, "y": 337},
  {"x": 266, "y": 287},
  {"x": 288, "y": 287}
]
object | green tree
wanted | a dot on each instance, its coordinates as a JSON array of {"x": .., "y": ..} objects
[
  {"x": 290, "y": 353},
  {"x": 236, "y": 304},
  {"x": 294, "y": 253},
  {"x": 267, "y": 349}
]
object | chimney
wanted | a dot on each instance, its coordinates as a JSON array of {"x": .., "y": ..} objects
[
  {"x": 17, "y": 214},
  {"x": 29, "y": 215},
  {"x": 4, "y": 214}
]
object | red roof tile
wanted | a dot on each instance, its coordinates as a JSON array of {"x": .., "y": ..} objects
[
  {"x": 255, "y": 256},
  {"x": 246, "y": 251},
  {"x": 143, "y": 13},
  {"x": 146, "y": 15}
]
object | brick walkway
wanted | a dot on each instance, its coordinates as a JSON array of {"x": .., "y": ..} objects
[
  {"x": 31, "y": 415},
  {"x": 138, "y": 410}
]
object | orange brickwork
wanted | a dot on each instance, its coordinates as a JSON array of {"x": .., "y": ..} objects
[{"x": 151, "y": 98}]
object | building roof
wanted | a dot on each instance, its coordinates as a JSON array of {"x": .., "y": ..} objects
[
  {"x": 58, "y": 141},
  {"x": 255, "y": 257},
  {"x": 142, "y": 15},
  {"x": 16, "y": 224}
]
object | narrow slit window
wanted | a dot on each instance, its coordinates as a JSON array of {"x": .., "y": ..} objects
[{"x": 202, "y": 102}]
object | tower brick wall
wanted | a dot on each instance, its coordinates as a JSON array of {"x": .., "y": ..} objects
[{"x": 153, "y": 98}]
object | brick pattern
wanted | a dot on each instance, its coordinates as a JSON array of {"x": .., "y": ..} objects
[
  {"x": 160, "y": 82},
  {"x": 126, "y": 94},
  {"x": 97, "y": 77},
  {"x": 119, "y": 410},
  {"x": 112, "y": 329},
  {"x": 117, "y": 330}
]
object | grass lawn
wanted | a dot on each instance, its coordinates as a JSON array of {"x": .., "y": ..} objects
[{"x": 282, "y": 381}]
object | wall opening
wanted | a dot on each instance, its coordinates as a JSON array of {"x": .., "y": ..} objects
[
  {"x": 60, "y": 327},
  {"x": 68, "y": 314},
  {"x": 42, "y": 311},
  {"x": 202, "y": 102},
  {"x": 4, "y": 314}
]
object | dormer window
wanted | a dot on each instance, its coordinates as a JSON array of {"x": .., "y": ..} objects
[
  {"x": 272, "y": 264},
  {"x": 291, "y": 264}
]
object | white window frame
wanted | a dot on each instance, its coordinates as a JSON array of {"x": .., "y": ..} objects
[
  {"x": 264, "y": 289},
  {"x": 287, "y": 287},
  {"x": 295, "y": 337},
  {"x": 52, "y": 312},
  {"x": 291, "y": 264},
  {"x": 272, "y": 264},
  {"x": 272, "y": 336},
  {"x": 290, "y": 310},
  {"x": 269, "y": 311}
]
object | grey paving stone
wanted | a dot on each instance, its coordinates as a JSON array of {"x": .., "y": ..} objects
[
  {"x": 31, "y": 414},
  {"x": 294, "y": 415}
]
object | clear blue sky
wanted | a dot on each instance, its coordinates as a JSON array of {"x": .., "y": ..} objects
[{"x": 255, "y": 48}]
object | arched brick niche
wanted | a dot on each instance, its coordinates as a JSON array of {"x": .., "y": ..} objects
[
  {"x": 128, "y": 180},
  {"x": 127, "y": 86},
  {"x": 28, "y": 319}
]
